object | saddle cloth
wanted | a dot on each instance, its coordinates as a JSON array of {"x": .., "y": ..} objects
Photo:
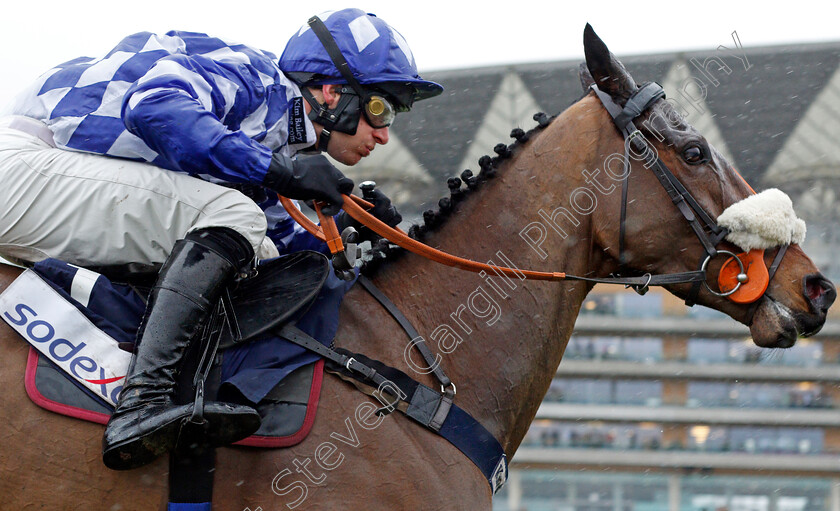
[
  {"x": 287, "y": 412},
  {"x": 282, "y": 379}
]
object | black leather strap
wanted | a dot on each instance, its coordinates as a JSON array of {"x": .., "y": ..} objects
[
  {"x": 705, "y": 228},
  {"x": 430, "y": 408},
  {"x": 192, "y": 464},
  {"x": 647, "y": 279},
  {"x": 280, "y": 291},
  {"x": 625, "y": 185},
  {"x": 638, "y": 103},
  {"x": 777, "y": 261},
  {"x": 438, "y": 413},
  {"x": 302, "y": 339},
  {"x": 417, "y": 340},
  {"x": 327, "y": 40}
]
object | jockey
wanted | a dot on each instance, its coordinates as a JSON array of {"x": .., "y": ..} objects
[{"x": 146, "y": 156}]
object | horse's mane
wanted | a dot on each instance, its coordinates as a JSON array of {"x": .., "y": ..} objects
[{"x": 382, "y": 251}]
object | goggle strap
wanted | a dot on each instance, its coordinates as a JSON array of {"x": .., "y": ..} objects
[{"x": 327, "y": 40}]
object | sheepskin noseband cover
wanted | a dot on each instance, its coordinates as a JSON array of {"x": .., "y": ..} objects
[{"x": 763, "y": 220}]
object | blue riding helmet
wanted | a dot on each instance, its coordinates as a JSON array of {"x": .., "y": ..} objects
[
  {"x": 375, "y": 52},
  {"x": 363, "y": 52}
]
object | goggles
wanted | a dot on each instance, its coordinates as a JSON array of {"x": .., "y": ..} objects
[{"x": 379, "y": 112}]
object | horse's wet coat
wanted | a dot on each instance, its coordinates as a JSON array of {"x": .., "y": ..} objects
[{"x": 500, "y": 340}]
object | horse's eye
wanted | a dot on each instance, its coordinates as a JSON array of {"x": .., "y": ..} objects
[{"x": 693, "y": 155}]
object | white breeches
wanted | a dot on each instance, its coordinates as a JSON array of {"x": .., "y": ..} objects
[{"x": 96, "y": 210}]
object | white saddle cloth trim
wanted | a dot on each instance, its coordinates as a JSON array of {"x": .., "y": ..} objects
[
  {"x": 60, "y": 332},
  {"x": 82, "y": 285},
  {"x": 763, "y": 220}
]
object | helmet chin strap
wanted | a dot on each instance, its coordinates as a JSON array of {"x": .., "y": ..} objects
[{"x": 344, "y": 117}]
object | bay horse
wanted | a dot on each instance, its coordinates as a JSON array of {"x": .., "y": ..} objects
[{"x": 505, "y": 338}]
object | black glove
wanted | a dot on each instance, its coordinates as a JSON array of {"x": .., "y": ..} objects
[
  {"x": 306, "y": 178},
  {"x": 382, "y": 209}
]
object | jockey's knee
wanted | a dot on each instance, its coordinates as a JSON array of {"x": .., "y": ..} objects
[{"x": 234, "y": 210}]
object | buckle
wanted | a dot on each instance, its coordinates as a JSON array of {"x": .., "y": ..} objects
[
  {"x": 197, "y": 416},
  {"x": 642, "y": 289},
  {"x": 452, "y": 384}
]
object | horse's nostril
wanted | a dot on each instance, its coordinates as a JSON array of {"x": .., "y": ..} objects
[{"x": 819, "y": 291}]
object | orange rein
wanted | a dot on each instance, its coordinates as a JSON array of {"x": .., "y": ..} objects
[{"x": 355, "y": 207}]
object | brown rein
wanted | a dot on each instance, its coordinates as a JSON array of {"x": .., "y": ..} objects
[{"x": 355, "y": 207}]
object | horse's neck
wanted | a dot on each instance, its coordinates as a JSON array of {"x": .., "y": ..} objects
[{"x": 501, "y": 340}]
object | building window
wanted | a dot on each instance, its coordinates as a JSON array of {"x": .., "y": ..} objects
[
  {"x": 707, "y": 438},
  {"x": 704, "y": 393},
  {"x": 757, "y": 395},
  {"x": 581, "y": 390},
  {"x": 638, "y": 392},
  {"x": 602, "y": 391},
  {"x": 806, "y": 353},
  {"x": 625, "y": 305},
  {"x": 776, "y": 440},
  {"x": 642, "y": 349},
  {"x": 593, "y": 435},
  {"x": 602, "y": 304},
  {"x": 638, "y": 349},
  {"x": 632, "y": 305},
  {"x": 708, "y": 351}
]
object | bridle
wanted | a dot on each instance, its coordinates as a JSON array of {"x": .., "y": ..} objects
[
  {"x": 738, "y": 271},
  {"x": 707, "y": 230}
]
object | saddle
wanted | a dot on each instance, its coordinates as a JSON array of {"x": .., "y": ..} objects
[{"x": 278, "y": 292}]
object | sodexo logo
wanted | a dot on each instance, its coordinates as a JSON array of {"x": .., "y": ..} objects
[{"x": 63, "y": 334}]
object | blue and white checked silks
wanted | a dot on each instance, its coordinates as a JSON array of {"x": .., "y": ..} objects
[
  {"x": 203, "y": 93},
  {"x": 182, "y": 101}
]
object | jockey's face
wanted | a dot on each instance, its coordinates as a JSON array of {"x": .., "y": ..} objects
[{"x": 350, "y": 149}]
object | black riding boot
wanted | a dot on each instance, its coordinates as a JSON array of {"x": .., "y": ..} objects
[{"x": 146, "y": 421}]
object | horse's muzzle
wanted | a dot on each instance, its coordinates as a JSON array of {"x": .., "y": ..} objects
[{"x": 819, "y": 292}]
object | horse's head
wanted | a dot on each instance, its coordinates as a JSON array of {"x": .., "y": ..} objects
[{"x": 655, "y": 234}]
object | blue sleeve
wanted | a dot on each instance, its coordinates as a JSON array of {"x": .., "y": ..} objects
[
  {"x": 305, "y": 241},
  {"x": 288, "y": 236},
  {"x": 176, "y": 110}
]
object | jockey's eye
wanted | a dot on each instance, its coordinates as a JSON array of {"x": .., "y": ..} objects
[{"x": 694, "y": 155}]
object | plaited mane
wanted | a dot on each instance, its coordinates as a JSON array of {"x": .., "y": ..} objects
[{"x": 383, "y": 251}]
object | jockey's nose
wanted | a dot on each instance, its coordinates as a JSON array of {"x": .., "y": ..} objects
[
  {"x": 381, "y": 135},
  {"x": 819, "y": 291}
]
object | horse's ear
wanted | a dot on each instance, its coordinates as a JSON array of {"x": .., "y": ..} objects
[
  {"x": 585, "y": 78},
  {"x": 604, "y": 69}
]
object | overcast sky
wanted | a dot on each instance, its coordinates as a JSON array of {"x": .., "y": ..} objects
[{"x": 36, "y": 35}]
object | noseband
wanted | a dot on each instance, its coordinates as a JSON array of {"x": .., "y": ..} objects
[{"x": 707, "y": 230}]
